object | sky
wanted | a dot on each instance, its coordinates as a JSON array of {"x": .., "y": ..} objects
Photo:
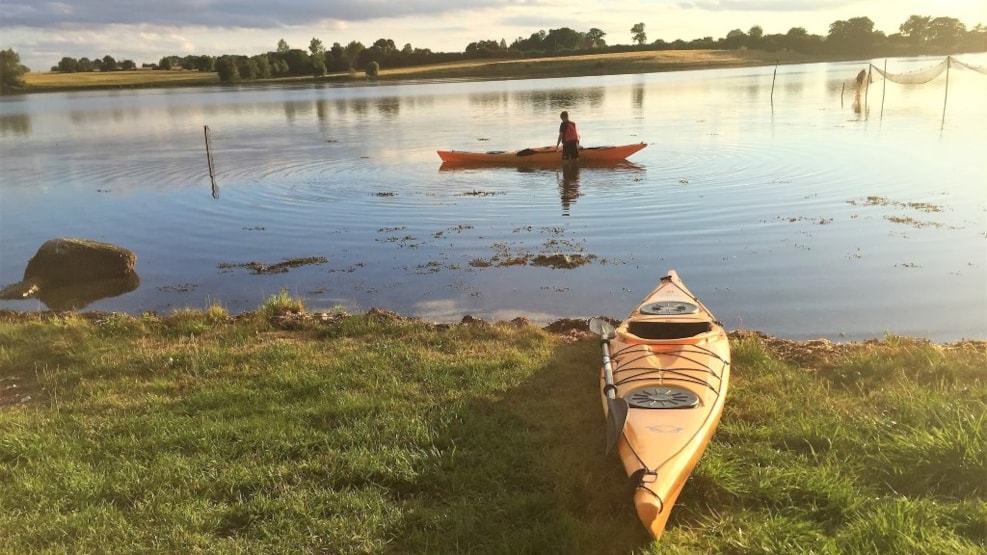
[{"x": 43, "y": 32}]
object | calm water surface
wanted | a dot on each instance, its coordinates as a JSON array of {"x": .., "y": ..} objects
[{"x": 784, "y": 211}]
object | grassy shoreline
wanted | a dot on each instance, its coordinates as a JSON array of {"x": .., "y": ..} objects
[
  {"x": 280, "y": 430},
  {"x": 564, "y": 66}
]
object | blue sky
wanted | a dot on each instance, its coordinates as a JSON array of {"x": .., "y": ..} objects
[{"x": 42, "y": 32}]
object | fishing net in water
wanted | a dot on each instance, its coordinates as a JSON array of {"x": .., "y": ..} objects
[
  {"x": 925, "y": 75},
  {"x": 968, "y": 66}
]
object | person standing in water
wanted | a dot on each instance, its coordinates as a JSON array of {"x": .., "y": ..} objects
[{"x": 568, "y": 138}]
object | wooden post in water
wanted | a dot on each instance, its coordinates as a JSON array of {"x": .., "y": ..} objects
[
  {"x": 773, "y": 78},
  {"x": 865, "y": 109},
  {"x": 946, "y": 95},
  {"x": 212, "y": 168},
  {"x": 884, "y": 86}
]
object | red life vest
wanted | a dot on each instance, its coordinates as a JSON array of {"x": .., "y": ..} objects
[{"x": 570, "y": 133}]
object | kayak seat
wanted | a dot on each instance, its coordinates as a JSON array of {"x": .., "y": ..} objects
[{"x": 668, "y": 330}]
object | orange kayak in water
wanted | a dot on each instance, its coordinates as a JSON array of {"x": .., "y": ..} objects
[
  {"x": 664, "y": 383},
  {"x": 541, "y": 155}
]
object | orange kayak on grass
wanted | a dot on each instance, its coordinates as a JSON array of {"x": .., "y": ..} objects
[
  {"x": 541, "y": 154},
  {"x": 669, "y": 365}
]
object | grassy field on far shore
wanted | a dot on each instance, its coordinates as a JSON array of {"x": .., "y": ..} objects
[
  {"x": 283, "y": 431},
  {"x": 566, "y": 66}
]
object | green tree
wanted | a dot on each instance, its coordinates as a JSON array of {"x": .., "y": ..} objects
[
  {"x": 855, "y": 35},
  {"x": 754, "y": 36},
  {"x": 317, "y": 53},
  {"x": 128, "y": 65},
  {"x": 283, "y": 47},
  {"x": 227, "y": 70},
  {"x": 352, "y": 53},
  {"x": 482, "y": 49},
  {"x": 68, "y": 65},
  {"x": 637, "y": 33},
  {"x": 165, "y": 63},
  {"x": 946, "y": 32},
  {"x": 734, "y": 40},
  {"x": 594, "y": 38},
  {"x": 916, "y": 29},
  {"x": 109, "y": 64},
  {"x": 299, "y": 62},
  {"x": 385, "y": 45},
  {"x": 11, "y": 71},
  {"x": 85, "y": 64},
  {"x": 263, "y": 65},
  {"x": 563, "y": 39},
  {"x": 373, "y": 68},
  {"x": 535, "y": 42},
  {"x": 247, "y": 67},
  {"x": 336, "y": 58},
  {"x": 205, "y": 63}
]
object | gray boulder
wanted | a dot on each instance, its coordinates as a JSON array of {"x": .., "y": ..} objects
[
  {"x": 70, "y": 261},
  {"x": 74, "y": 272}
]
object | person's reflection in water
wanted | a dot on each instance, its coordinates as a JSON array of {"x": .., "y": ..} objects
[
  {"x": 860, "y": 103},
  {"x": 569, "y": 185}
]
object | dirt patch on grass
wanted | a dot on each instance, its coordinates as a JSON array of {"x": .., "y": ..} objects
[{"x": 20, "y": 388}]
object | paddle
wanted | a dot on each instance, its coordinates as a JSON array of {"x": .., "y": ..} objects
[{"x": 616, "y": 407}]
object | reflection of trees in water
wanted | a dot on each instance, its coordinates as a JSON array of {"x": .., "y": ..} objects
[
  {"x": 794, "y": 87},
  {"x": 490, "y": 100},
  {"x": 359, "y": 106},
  {"x": 290, "y": 110},
  {"x": 16, "y": 124},
  {"x": 562, "y": 99},
  {"x": 637, "y": 96},
  {"x": 754, "y": 91},
  {"x": 389, "y": 107},
  {"x": 100, "y": 116}
]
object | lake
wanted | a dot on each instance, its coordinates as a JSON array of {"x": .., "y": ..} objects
[{"x": 783, "y": 207}]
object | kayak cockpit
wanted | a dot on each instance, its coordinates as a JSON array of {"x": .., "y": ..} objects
[{"x": 668, "y": 330}]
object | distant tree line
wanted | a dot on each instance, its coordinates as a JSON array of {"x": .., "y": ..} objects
[
  {"x": 318, "y": 60},
  {"x": 106, "y": 63},
  {"x": 855, "y": 37}
]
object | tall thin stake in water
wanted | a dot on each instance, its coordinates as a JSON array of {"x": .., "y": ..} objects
[
  {"x": 884, "y": 87},
  {"x": 949, "y": 60},
  {"x": 773, "y": 77},
  {"x": 212, "y": 168}
]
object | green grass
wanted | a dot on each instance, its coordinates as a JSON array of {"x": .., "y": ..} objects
[{"x": 293, "y": 432}]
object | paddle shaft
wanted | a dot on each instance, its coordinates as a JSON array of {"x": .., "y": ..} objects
[{"x": 609, "y": 388}]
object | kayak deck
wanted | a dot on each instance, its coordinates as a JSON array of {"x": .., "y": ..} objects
[{"x": 671, "y": 363}]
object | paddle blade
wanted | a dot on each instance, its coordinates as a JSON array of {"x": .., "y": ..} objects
[
  {"x": 616, "y": 418},
  {"x": 601, "y": 327}
]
